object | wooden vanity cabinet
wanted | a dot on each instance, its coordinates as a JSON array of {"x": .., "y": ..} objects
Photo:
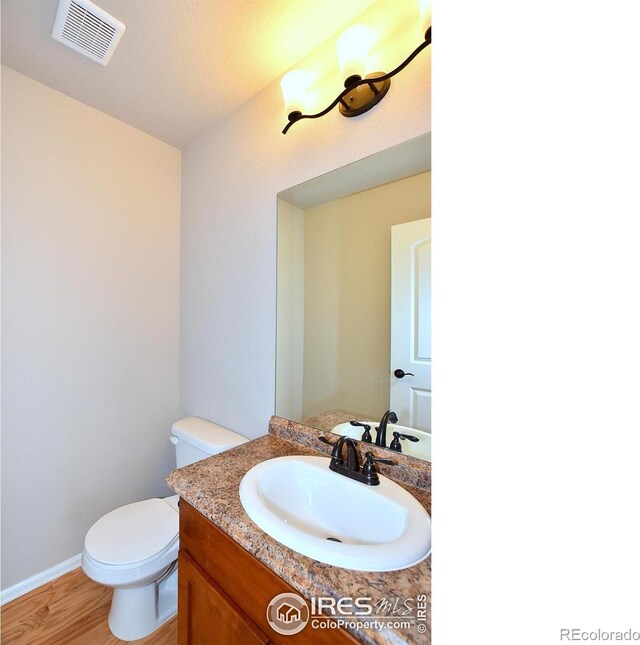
[
  {"x": 224, "y": 591},
  {"x": 208, "y": 610}
]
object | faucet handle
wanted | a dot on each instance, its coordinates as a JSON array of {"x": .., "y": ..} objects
[
  {"x": 395, "y": 444},
  {"x": 371, "y": 458},
  {"x": 369, "y": 468},
  {"x": 366, "y": 435}
]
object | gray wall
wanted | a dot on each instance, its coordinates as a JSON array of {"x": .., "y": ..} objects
[
  {"x": 230, "y": 178},
  {"x": 90, "y": 255}
]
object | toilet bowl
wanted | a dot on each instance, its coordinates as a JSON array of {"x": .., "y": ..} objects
[{"x": 134, "y": 549}]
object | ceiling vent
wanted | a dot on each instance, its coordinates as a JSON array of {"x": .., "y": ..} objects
[{"x": 89, "y": 30}]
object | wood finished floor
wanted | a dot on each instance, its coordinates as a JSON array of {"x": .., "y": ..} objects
[{"x": 71, "y": 610}]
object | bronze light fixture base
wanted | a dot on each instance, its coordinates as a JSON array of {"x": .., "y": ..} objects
[
  {"x": 361, "y": 94},
  {"x": 363, "y": 97}
]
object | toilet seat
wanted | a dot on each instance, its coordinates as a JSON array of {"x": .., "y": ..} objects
[{"x": 133, "y": 535}]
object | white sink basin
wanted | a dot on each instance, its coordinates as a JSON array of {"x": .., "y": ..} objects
[
  {"x": 299, "y": 502},
  {"x": 420, "y": 449}
]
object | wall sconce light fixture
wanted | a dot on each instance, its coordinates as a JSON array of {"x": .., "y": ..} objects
[{"x": 360, "y": 94}]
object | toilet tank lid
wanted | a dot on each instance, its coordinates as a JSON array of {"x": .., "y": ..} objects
[{"x": 205, "y": 435}]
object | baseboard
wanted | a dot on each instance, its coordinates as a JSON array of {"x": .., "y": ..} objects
[{"x": 17, "y": 590}]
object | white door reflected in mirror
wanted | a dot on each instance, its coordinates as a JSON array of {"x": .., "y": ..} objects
[{"x": 410, "y": 384}]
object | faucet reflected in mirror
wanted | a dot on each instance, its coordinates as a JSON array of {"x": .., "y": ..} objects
[
  {"x": 381, "y": 430},
  {"x": 353, "y": 314}
]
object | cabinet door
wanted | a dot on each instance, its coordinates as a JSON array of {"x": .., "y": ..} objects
[{"x": 206, "y": 615}]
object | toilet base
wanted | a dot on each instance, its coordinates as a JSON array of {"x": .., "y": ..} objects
[{"x": 136, "y": 612}]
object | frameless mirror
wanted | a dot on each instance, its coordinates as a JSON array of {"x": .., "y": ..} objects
[{"x": 354, "y": 299}]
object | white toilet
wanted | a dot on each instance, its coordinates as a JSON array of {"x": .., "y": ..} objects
[{"x": 134, "y": 549}]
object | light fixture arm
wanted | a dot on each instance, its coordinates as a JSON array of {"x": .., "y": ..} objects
[{"x": 294, "y": 117}]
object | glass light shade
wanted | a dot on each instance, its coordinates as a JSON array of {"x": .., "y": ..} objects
[
  {"x": 294, "y": 86},
  {"x": 425, "y": 14},
  {"x": 353, "y": 49}
]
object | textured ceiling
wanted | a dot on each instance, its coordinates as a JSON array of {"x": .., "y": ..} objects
[{"x": 181, "y": 64}]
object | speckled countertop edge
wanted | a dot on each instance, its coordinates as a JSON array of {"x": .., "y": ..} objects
[
  {"x": 211, "y": 486},
  {"x": 407, "y": 470}
]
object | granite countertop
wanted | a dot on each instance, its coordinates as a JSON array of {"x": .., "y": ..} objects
[
  {"x": 211, "y": 487},
  {"x": 330, "y": 418}
]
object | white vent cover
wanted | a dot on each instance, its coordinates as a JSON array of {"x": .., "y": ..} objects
[{"x": 85, "y": 27}]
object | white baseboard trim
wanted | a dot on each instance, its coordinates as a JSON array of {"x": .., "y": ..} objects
[{"x": 17, "y": 590}]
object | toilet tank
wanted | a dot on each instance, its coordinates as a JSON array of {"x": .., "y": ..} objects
[{"x": 195, "y": 439}]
